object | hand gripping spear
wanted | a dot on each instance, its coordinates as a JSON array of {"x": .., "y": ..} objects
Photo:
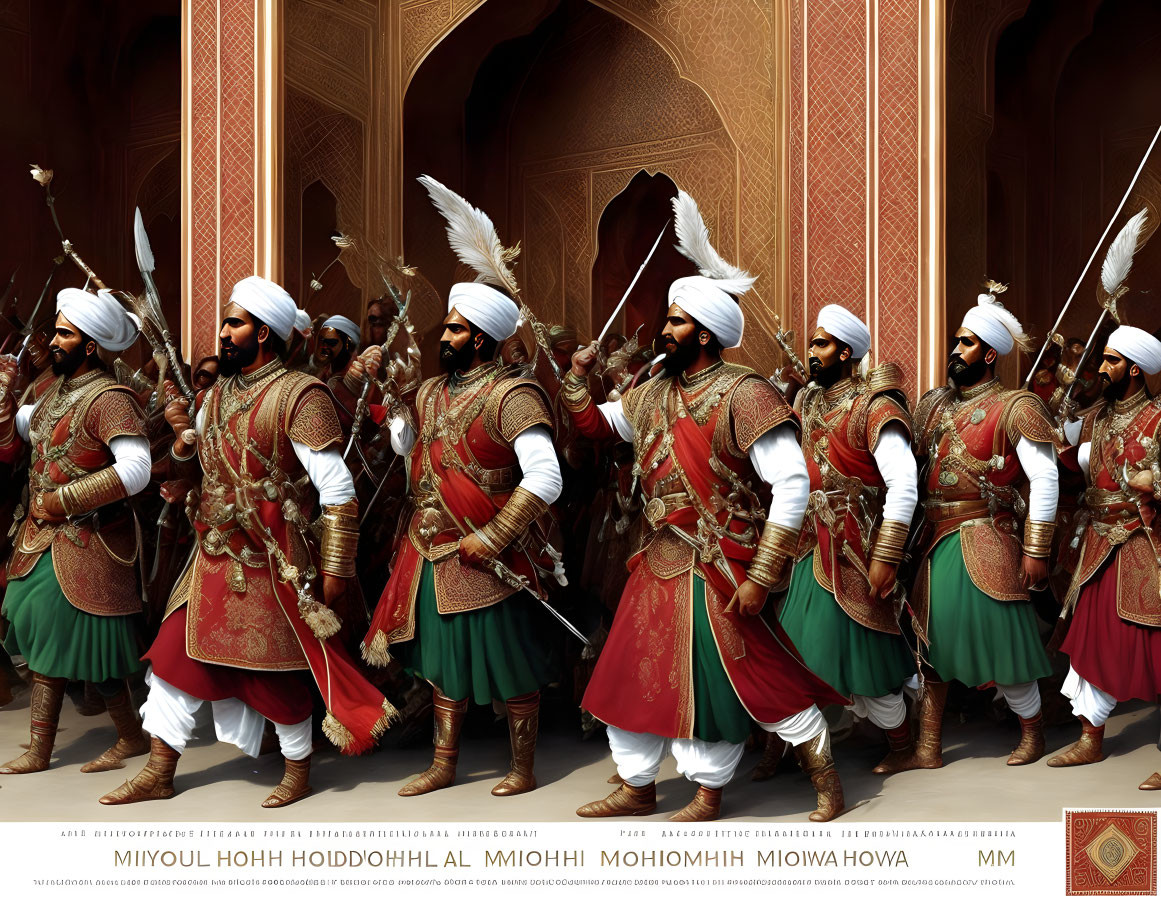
[
  {"x": 152, "y": 309},
  {"x": 1092, "y": 257},
  {"x": 401, "y": 306}
]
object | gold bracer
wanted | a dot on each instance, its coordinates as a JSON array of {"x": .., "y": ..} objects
[
  {"x": 340, "y": 538},
  {"x": 510, "y": 522},
  {"x": 890, "y": 542},
  {"x": 1038, "y": 538},
  {"x": 91, "y": 492},
  {"x": 777, "y": 545},
  {"x": 574, "y": 391}
]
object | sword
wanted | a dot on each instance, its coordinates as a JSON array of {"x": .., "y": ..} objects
[
  {"x": 640, "y": 270},
  {"x": 1092, "y": 257}
]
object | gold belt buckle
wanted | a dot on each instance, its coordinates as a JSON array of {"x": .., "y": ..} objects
[{"x": 655, "y": 512}]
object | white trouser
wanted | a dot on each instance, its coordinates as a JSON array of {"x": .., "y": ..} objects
[
  {"x": 1090, "y": 701},
  {"x": 639, "y": 756},
  {"x": 886, "y": 712},
  {"x": 1023, "y": 699},
  {"x": 171, "y": 714}
]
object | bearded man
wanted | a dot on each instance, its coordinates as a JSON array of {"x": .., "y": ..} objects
[
  {"x": 72, "y": 579},
  {"x": 483, "y": 472},
  {"x": 983, "y": 547},
  {"x": 243, "y": 624},
  {"x": 1114, "y": 641},
  {"x": 856, "y": 436},
  {"x": 689, "y": 665}
]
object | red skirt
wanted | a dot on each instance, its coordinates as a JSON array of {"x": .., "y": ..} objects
[
  {"x": 281, "y": 696},
  {"x": 1118, "y": 656}
]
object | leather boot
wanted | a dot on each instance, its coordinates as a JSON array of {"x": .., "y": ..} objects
[
  {"x": 818, "y": 764},
  {"x": 130, "y": 741},
  {"x": 1031, "y": 746},
  {"x": 47, "y": 696},
  {"x": 901, "y": 750},
  {"x": 1084, "y": 751},
  {"x": 625, "y": 800},
  {"x": 772, "y": 754},
  {"x": 929, "y": 746},
  {"x": 706, "y": 805},
  {"x": 1153, "y": 782},
  {"x": 523, "y": 723},
  {"x": 449, "y": 718},
  {"x": 153, "y": 782},
  {"x": 295, "y": 785}
]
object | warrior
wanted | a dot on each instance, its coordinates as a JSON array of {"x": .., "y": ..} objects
[
  {"x": 337, "y": 351},
  {"x": 244, "y": 621},
  {"x": 72, "y": 578},
  {"x": 483, "y": 472},
  {"x": 986, "y": 449},
  {"x": 1114, "y": 641},
  {"x": 689, "y": 664},
  {"x": 856, "y": 436}
]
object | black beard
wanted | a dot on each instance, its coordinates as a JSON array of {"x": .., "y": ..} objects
[
  {"x": 66, "y": 364},
  {"x": 966, "y": 374},
  {"x": 825, "y": 376},
  {"x": 233, "y": 359},
  {"x": 678, "y": 361},
  {"x": 1115, "y": 391},
  {"x": 452, "y": 360}
]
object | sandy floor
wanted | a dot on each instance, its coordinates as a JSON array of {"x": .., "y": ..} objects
[{"x": 215, "y": 782}]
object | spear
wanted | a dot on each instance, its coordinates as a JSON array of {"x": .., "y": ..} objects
[
  {"x": 145, "y": 263},
  {"x": 44, "y": 178},
  {"x": 1092, "y": 257}
]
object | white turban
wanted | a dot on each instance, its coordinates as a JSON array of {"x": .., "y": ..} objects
[
  {"x": 713, "y": 308},
  {"x": 1138, "y": 346},
  {"x": 995, "y": 324},
  {"x": 346, "y": 326},
  {"x": 101, "y": 317},
  {"x": 846, "y": 327},
  {"x": 269, "y": 302},
  {"x": 302, "y": 321},
  {"x": 485, "y": 307}
]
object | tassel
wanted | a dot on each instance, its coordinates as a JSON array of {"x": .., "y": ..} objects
[
  {"x": 323, "y": 622},
  {"x": 377, "y": 653},
  {"x": 337, "y": 732}
]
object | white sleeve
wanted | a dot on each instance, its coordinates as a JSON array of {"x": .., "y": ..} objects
[
  {"x": 131, "y": 461},
  {"x": 777, "y": 459},
  {"x": 1083, "y": 454},
  {"x": 23, "y": 416},
  {"x": 402, "y": 436},
  {"x": 1039, "y": 462},
  {"x": 200, "y": 420},
  {"x": 896, "y": 463},
  {"x": 614, "y": 413},
  {"x": 538, "y": 463},
  {"x": 328, "y": 472},
  {"x": 1072, "y": 430}
]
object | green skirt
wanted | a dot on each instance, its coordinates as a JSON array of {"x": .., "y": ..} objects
[
  {"x": 59, "y": 640},
  {"x": 718, "y": 714},
  {"x": 853, "y": 659},
  {"x": 976, "y": 639},
  {"x": 496, "y": 652}
]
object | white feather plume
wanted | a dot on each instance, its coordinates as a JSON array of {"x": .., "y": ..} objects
[
  {"x": 1119, "y": 257},
  {"x": 473, "y": 237},
  {"x": 694, "y": 242}
]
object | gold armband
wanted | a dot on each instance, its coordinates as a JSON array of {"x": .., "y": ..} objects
[
  {"x": 890, "y": 542},
  {"x": 574, "y": 391},
  {"x": 91, "y": 492},
  {"x": 1038, "y": 538},
  {"x": 521, "y": 509},
  {"x": 340, "y": 539},
  {"x": 777, "y": 545}
]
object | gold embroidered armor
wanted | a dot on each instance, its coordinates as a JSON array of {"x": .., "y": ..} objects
[{"x": 94, "y": 551}]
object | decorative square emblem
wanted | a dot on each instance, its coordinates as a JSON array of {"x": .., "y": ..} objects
[{"x": 1111, "y": 853}]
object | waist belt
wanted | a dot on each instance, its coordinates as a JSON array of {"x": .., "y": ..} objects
[
  {"x": 940, "y": 511},
  {"x": 658, "y": 508}
]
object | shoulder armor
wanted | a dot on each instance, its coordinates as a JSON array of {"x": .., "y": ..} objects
[
  {"x": 886, "y": 377},
  {"x": 1026, "y": 416},
  {"x": 514, "y": 405},
  {"x": 756, "y": 407},
  {"x": 926, "y": 412},
  {"x": 308, "y": 411}
]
